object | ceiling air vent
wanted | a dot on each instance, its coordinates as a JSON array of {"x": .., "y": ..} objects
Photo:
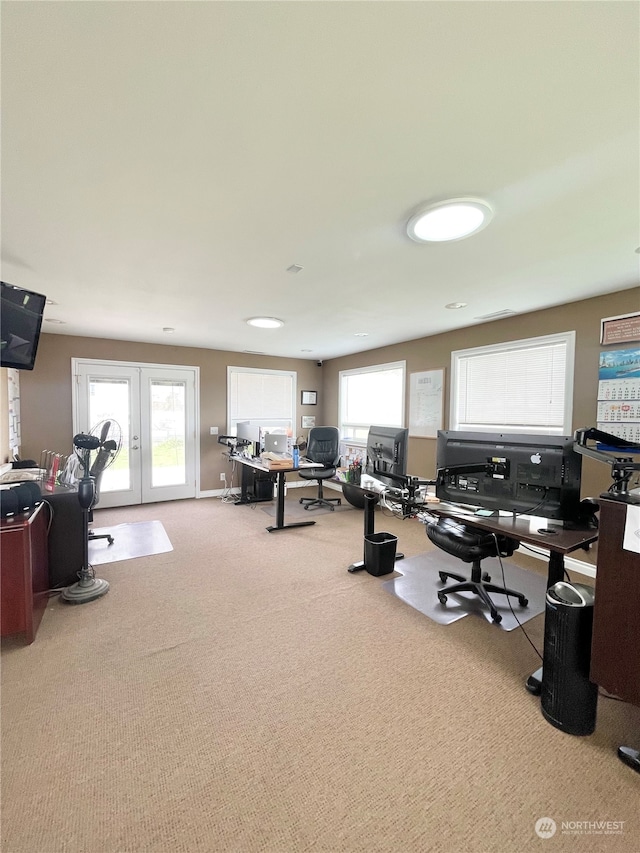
[{"x": 507, "y": 312}]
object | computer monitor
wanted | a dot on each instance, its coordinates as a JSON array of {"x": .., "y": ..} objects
[
  {"x": 247, "y": 431},
  {"x": 387, "y": 454},
  {"x": 535, "y": 475}
]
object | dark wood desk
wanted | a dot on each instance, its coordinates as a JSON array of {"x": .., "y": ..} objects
[
  {"x": 24, "y": 581},
  {"x": 615, "y": 659},
  {"x": 531, "y": 530},
  {"x": 280, "y": 474}
]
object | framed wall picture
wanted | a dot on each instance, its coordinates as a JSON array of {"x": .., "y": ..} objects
[
  {"x": 309, "y": 398},
  {"x": 308, "y": 421}
]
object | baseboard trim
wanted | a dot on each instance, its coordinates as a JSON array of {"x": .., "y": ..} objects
[{"x": 570, "y": 563}]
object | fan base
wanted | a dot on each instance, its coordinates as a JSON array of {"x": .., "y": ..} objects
[{"x": 85, "y": 590}]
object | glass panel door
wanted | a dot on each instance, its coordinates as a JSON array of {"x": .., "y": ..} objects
[{"x": 156, "y": 409}]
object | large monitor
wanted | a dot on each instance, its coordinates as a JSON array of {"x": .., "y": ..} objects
[
  {"x": 249, "y": 432},
  {"x": 387, "y": 454},
  {"x": 523, "y": 474},
  {"x": 20, "y": 323}
]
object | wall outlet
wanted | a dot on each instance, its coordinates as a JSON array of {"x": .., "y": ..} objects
[
  {"x": 213, "y": 430},
  {"x": 223, "y": 478}
]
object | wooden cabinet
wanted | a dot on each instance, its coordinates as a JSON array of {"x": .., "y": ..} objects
[
  {"x": 615, "y": 659},
  {"x": 24, "y": 572}
]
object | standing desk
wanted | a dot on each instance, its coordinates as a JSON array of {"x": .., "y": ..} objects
[
  {"x": 532, "y": 530},
  {"x": 280, "y": 473}
]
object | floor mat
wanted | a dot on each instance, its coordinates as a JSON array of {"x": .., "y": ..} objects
[
  {"x": 139, "y": 539},
  {"x": 420, "y": 583}
]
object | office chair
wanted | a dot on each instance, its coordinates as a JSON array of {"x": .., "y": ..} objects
[
  {"x": 96, "y": 472},
  {"x": 472, "y": 545},
  {"x": 323, "y": 447}
]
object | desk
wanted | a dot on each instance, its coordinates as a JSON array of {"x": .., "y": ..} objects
[
  {"x": 526, "y": 529},
  {"x": 615, "y": 661},
  {"x": 280, "y": 475},
  {"x": 24, "y": 581}
]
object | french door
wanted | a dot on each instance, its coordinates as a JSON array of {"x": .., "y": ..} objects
[{"x": 153, "y": 408}]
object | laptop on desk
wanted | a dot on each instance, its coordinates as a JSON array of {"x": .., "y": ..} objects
[{"x": 275, "y": 443}]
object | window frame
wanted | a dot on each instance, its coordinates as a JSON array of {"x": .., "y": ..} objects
[
  {"x": 506, "y": 347},
  {"x": 372, "y": 368},
  {"x": 260, "y": 421}
]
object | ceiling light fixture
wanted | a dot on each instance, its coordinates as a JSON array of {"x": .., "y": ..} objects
[
  {"x": 455, "y": 305},
  {"x": 265, "y": 322},
  {"x": 168, "y": 329},
  {"x": 453, "y": 219},
  {"x": 295, "y": 268},
  {"x": 361, "y": 334},
  {"x": 55, "y": 322}
]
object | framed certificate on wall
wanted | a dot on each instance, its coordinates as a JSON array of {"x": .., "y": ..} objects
[{"x": 309, "y": 398}]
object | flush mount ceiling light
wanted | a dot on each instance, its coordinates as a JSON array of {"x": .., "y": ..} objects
[
  {"x": 455, "y": 305},
  {"x": 265, "y": 322},
  {"x": 453, "y": 219}
]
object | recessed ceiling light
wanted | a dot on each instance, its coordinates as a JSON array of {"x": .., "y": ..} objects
[
  {"x": 51, "y": 302},
  {"x": 265, "y": 322},
  {"x": 361, "y": 334},
  {"x": 55, "y": 322},
  {"x": 454, "y": 305},
  {"x": 168, "y": 329},
  {"x": 306, "y": 350},
  {"x": 453, "y": 219}
]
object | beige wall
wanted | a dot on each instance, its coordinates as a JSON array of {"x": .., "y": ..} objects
[
  {"x": 46, "y": 392},
  {"x": 435, "y": 352}
]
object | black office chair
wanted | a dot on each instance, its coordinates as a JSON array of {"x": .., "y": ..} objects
[
  {"x": 323, "y": 446},
  {"x": 472, "y": 545},
  {"x": 96, "y": 472}
]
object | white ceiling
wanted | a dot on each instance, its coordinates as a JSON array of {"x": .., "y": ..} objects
[{"x": 163, "y": 163}]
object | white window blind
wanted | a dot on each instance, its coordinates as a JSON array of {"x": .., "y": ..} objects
[
  {"x": 264, "y": 397},
  {"x": 521, "y": 386},
  {"x": 371, "y": 395}
]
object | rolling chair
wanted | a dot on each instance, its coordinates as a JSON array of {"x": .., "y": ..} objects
[
  {"x": 323, "y": 447},
  {"x": 96, "y": 472},
  {"x": 472, "y": 545}
]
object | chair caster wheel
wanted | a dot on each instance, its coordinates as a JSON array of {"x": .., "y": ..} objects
[
  {"x": 486, "y": 577},
  {"x": 523, "y": 601},
  {"x": 110, "y": 540},
  {"x": 496, "y": 617},
  {"x": 443, "y": 577},
  {"x": 442, "y": 598},
  {"x": 301, "y": 500}
]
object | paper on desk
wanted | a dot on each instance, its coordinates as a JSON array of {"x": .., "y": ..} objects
[{"x": 631, "y": 540}]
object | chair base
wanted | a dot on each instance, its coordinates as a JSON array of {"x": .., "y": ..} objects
[
  {"x": 315, "y": 502},
  {"x": 480, "y": 586},
  {"x": 100, "y": 536}
]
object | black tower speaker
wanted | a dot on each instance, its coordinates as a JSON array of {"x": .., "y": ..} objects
[{"x": 568, "y": 699}]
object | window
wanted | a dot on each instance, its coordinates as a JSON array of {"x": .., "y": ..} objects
[
  {"x": 371, "y": 395},
  {"x": 520, "y": 386},
  {"x": 265, "y": 398}
]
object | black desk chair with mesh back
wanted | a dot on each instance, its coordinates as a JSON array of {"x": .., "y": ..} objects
[
  {"x": 472, "y": 545},
  {"x": 323, "y": 447},
  {"x": 97, "y": 470}
]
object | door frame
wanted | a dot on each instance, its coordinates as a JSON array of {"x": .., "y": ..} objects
[{"x": 76, "y": 362}]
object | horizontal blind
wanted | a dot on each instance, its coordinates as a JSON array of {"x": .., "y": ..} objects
[
  {"x": 254, "y": 395},
  {"x": 373, "y": 395},
  {"x": 520, "y": 387}
]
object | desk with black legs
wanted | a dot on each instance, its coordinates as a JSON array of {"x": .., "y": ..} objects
[
  {"x": 280, "y": 473},
  {"x": 532, "y": 530}
]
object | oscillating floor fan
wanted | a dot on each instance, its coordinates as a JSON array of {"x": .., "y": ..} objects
[{"x": 96, "y": 450}]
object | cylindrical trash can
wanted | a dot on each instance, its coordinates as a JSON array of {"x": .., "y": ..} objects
[
  {"x": 380, "y": 553},
  {"x": 568, "y": 699}
]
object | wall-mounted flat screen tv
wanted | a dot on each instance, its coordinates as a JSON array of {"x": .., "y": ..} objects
[{"x": 20, "y": 323}]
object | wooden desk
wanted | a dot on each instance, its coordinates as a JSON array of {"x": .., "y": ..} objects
[
  {"x": 529, "y": 529},
  {"x": 281, "y": 476},
  {"x": 25, "y": 572}
]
